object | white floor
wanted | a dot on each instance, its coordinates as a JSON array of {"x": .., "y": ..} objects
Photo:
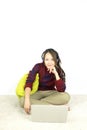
[{"x": 12, "y": 117}]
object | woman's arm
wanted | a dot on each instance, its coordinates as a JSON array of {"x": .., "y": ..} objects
[
  {"x": 28, "y": 87},
  {"x": 27, "y": 104},
  {"x": 60, "y": 84}
]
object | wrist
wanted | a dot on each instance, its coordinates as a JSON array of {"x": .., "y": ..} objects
[{"x": 57, "y": 76}]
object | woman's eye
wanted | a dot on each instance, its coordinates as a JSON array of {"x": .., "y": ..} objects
[{"x": 49, "y": 60}]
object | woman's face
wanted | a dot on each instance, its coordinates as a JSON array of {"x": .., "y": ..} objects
[{"x": 48, "y": 60}]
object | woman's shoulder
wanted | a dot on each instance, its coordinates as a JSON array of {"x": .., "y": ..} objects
[{"x": 39, "y": 64}]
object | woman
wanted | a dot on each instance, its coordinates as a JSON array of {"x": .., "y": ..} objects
[{"x": 51, "y": 89}]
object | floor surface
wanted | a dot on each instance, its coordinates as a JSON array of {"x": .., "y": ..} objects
[{"x": 12, "y": 117}]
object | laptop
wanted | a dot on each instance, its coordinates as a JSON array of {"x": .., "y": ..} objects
[{"x": 49, "y": 113}]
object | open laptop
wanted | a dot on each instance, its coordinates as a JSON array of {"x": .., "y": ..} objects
[{"x": 49, "y": 113}]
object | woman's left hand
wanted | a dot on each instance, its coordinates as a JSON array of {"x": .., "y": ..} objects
[{"x": 52, "y": 70}]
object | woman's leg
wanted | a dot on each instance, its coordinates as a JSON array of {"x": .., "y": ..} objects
[
  {"x": 48, "y": 97},
  {"x": 57, "y": 98},
  {"x": 36, "y": 98},
  {"x": 39, "y": 95}
]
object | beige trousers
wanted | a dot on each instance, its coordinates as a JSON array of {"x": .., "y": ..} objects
[{"x": 48, "y": 97}]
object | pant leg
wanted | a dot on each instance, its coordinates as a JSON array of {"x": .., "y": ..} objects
[
  {"x": 48, "y": 97},
  {"x": 57, "y": 98},
  {"x": 42, "y": 94},
  {"x": 36, "y": 98},
  {"x": 21, "y": 101},
  {"x": 39, "y": 95}
]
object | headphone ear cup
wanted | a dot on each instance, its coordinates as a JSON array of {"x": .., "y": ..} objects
[
  {"x": 57, "y": 57},
  {"x": 42, "y": 56}
]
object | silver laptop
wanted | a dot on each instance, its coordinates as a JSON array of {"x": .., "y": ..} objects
[{"x": 49, "y": 113}]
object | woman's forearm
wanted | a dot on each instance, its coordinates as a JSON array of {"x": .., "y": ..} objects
[
  {"x": 57, "y": 76},
  {"x": 27, "y": 92},
  {"x": 27, "y": 104}
]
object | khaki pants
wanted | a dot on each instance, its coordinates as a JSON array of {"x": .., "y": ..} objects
[{"x": 48, "y": 97}]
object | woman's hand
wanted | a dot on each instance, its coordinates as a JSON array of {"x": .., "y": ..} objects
[{"x": 54, "y": 71}]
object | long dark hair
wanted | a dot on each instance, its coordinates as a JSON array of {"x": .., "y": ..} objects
[{"x": 57, "y": 61}]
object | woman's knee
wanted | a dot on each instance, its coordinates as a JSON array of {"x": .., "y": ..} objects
[
  {"x": 66, "y": 97},
  {"x": 21, "y": 101}
]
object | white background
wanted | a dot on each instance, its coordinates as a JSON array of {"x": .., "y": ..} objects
[{"x": 27, "y": 28}]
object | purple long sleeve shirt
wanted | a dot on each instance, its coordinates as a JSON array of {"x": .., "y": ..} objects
[{"x": 47, "y": 81}]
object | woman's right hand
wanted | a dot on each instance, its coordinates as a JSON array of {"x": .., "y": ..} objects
[{"x": 27, "y": 105}]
